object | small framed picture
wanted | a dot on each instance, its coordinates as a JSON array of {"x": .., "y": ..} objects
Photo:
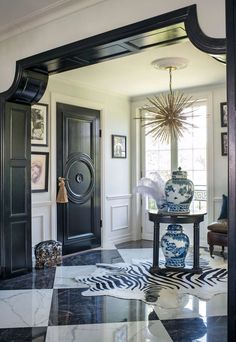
[
  {"x": 39, "y": 171},
  {"x": 223, "y": 114},
  {"x": 39, "y": 124},
  {"x": 118, "y": 146},
  {"x": 224, "y": 144}
]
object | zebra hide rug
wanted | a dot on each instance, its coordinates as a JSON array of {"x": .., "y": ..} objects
[{"x": 134, "y": 281}]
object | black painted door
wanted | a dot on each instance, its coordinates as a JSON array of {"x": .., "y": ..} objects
[
  {"x": 16, "y": 250},
  {"x": 78, "y": 161}
]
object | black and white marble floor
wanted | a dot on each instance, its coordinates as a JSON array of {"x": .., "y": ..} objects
[{"x": 47, "y": 305}]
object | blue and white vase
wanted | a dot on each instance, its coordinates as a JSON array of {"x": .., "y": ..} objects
[
  {"x": 175, "y": 244},
  {"x": 179, "y": 192}
]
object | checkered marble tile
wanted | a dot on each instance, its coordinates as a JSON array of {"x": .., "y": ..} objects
[
  {"x": 48, "y": 305},
  {"x": 25, "y": 308},
  {"x": 92, "y": 257},
  {"x": 69, "y": 307},
  {"x": 37, "y": 279},
  {"x": 117, "y": 332},
  {"x": 65, "y": 276},
  {"x": 23, "y": 334}
]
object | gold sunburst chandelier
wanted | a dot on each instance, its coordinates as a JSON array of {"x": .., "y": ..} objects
[{"x": 166, "y": 115}]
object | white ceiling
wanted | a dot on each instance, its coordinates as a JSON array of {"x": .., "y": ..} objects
[
  {"x": 133, "y": 75},
  {"x": 14, "y": 10},
  {"x": 17, "y": 16}
]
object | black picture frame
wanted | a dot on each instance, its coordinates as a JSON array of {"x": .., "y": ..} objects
[
  {"x": 39, "y": 171},
  {"x": 119, "y": 148},
  {"x": 224, "y": 144},
  {"x": 39, "y": 124},
  {"x": 223, "y": 114}
]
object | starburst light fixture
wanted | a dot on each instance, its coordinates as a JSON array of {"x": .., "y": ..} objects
[{"x": 166, "y": 115}]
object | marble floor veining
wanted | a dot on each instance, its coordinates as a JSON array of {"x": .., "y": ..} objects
[
  {"x": 48, "y": 305},
  {"x": 117, "y": 332},
  {"x": 25, "y": 308}
]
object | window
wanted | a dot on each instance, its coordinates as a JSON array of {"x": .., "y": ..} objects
[{"x": 190, "y": 153}]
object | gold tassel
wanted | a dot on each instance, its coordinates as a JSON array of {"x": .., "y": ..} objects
[{"x": 62, "y": 192}]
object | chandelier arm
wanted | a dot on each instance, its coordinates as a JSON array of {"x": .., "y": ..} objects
[
  {"x": 150, "y": 124},
  {"x": 157, "y": 129},
  {"x": 163, "y": 136},
  {"x": 170, "y": 79}
]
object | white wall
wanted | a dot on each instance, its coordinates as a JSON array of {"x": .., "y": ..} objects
[
  {"x": 218, "y": 179},
  {"x": 116, "y": 197},
  {"x": 101, "y": 17},
  {"x": 220, "y": 162}
]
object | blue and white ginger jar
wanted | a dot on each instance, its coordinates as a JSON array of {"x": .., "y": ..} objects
[
  {"x": 175, "y": 244},
  {"x": 179, "y": 192}
]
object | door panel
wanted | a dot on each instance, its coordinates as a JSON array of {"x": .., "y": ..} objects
[
  {"x": 78, "y": 161},
  {"x": 17, "y": 190}
]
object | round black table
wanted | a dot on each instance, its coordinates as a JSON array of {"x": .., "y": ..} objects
[{"x": 165, "y": 217}]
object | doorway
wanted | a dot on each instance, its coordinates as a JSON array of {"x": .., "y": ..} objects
[{"x": 78, "y": 161}]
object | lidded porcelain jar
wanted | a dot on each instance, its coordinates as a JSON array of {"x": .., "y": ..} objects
[
  {"x": 175, "y": 244},
  {"x": 179, "y": 192}
]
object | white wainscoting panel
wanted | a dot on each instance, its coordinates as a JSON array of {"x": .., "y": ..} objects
[
  {"x": 116, "y": 223},
  {"x": 119, "y": 217},
  {"x": 41, "y": 222},
  {"x": 37, "y": 229}
]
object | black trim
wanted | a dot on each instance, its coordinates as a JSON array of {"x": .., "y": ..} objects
[
  {"x": 116, "y": 35},
  {"x": 119, "y": 151},
  {"x": 28, "y": 86},
  {"x": 32, "y": 72},
  {"x": 231, "y": 98},
  {"x": 2, "y": 196},
  {"x": 213, "y": 46}
]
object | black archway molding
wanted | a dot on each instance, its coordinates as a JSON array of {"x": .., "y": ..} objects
[
  {"x": 32, "y": 72},
  {"x": 29, "y": 85}
]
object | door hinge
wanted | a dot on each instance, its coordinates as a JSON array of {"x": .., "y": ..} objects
[
  {"x": 100, "y": 223},
  {"x": 100, "y": 133},
  {"x": 141, "y": 229},
  {"x": 141, "y": 201}
]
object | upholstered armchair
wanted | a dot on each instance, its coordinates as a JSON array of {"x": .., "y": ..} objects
[{"x": 218, "y": 231}]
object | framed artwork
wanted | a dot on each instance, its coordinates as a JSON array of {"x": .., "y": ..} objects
[
  {"x": 39, "y": 124},
  {"x": 118, "y": 146},
  {"x": 224, "y": 144},
  {"x": 39, "y": 171},
  {"x": 223, "y": 114}
]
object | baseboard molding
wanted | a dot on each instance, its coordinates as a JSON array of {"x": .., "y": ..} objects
[
  {"x": 120, "y": 239},
  {"x": 147, "y": 236},
  {"x": 203, "y": 243}
]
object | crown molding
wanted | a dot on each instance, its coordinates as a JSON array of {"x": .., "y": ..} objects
[{"x": 44, "y": 15}]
